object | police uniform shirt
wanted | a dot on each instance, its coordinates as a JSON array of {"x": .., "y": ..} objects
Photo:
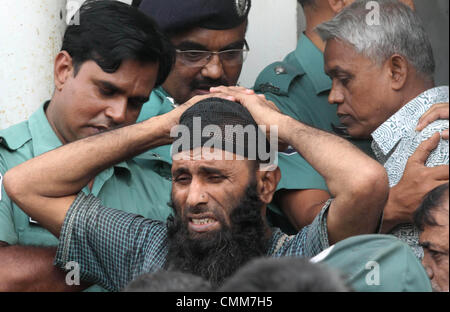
[
  {"x": 300, "y": 88},
  {"x": 127, "y": 186}
]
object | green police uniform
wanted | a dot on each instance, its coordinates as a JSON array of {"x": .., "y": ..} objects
[
  {"x": 159, "y": 103},
  {"x": 300, "y": 89},
  {"x": 376, "y": 263},
  {"x": 126, "y": 186}
]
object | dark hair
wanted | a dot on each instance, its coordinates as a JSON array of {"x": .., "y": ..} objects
[
  {"x": 423, "y": 215},
  {"x": 286, "y": 274},
  {"x": 168, "y": 281},
  {"x": 110, "y": 32},
  {"x": 306, "y": 2}
]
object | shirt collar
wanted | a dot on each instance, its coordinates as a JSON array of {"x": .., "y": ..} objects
[
  {"x": 406, "y": 119},
  {"x": 168, "y": 100},
  {"x": 312, "y": 61},
  {"x": 44, "y": 138}
]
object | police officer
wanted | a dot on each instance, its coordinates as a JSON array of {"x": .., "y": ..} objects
[
  {"x": 99, "y": 85},
  {"x": 300, "y": 88},
  {"x": 209, "y": 39}
]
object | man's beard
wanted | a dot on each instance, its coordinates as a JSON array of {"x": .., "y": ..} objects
[{"x": 220, "y": 253}]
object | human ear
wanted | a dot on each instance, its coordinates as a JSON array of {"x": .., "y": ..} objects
[
  {"x": 338, "y": 5},
  {"x": 267, "y": 183},
  {"x": 62, "y": 69},
  {"x": 398, "y": 71}
]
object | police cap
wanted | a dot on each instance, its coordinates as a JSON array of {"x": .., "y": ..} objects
[{"x": 177, "y": 15}]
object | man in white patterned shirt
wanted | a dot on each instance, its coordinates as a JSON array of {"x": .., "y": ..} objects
[{"x": 382, "y": 70}]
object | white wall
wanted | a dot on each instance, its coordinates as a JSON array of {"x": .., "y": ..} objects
[
  {"x": 30, "y": 37},
  {"x": 272, "y": 33},
  {"x": 31, "y": 33}
]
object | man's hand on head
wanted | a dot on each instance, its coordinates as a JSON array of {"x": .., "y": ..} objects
[
  {"x": 265, "y": 112},
  {"x": 437, "y": 111},
  {"x": 173, "y": 116}
]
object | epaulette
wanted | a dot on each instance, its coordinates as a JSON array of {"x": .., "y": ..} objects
[
  {"x": 14, "y": 137},
  {"x": 277, "y": 78}
]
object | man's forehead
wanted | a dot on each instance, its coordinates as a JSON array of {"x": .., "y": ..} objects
[
  {"x": 205, "y": 156},
  {"x": 210, "y": 37},
  {"x": 342, "y": 57}
]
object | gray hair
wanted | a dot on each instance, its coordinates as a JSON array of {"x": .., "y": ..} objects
[{"x": 399, "y": 31}]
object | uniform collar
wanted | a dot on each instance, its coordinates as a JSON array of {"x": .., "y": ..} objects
[
  {"x": 311, "y": 59},
  {"x": 44, "y": 139},
  {"x": 167, "y": 99},
  {"x": 406, "y": 119}
]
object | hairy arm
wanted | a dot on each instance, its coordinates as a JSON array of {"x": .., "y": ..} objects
[
  {"x": 358, "y": 184},
  {"x": 44, "y": 187},
  {"x": 26, "y": 268},
  {"x": 301, "y": 206}
]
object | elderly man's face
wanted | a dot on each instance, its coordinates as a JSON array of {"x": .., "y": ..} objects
[
  {"x": 206, "y": 191},
  {"x": 218, "y": 224},
  {"x": 434, "y": 240},
  {"x": 186, "y": 81},
  {"x": 361, "y": 89}
]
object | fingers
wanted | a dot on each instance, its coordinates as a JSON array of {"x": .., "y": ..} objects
[
  {"x": 199, "y": 98},
  {"x": 445, "y": 135},
  {"x": 425, "y": 148},
  {"x": 439, "y": 173},
  {"x": 437, "y": 111}
]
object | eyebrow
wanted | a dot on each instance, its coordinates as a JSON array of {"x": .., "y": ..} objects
[
  {"x": 430, "y": 245},
  {"x": 202, "y": 170},
  {"x": 115, "y": 89},
  {"x": 191, "y": 45},
  {"x": 336, "y": 71},
  {"x": 210, "y": 170}
]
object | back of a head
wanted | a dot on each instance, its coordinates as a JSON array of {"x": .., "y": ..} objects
[
  {"x": 434, "y": 200},
  {"x": 110, "y": 32},
  {"x": 284, "y": 275},
  {"x": 168, "y": 281},
  {"x": 221, "y": 123},
  {"x": 378, "y": 33}
]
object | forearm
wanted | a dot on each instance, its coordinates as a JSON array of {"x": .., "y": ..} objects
[
  {"x": 358, "y": 184},
  {"x": 341, "y": 164},
  {"x": 43, "y": 187},
  {"x": 25, "y": 268},
  {"x": 68, "y": 169}
]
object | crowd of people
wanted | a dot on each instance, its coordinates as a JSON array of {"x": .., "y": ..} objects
[{"x": 157, "y": 194}]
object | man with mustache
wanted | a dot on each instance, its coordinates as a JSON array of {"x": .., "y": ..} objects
[
  {"x": 105, "y": 71},
  {"x": 209, "y": 38},
  {"x": 220, "y": 204},
  {"x": 300, "y": 88}
]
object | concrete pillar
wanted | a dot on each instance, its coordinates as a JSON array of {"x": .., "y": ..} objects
[{"x": 31, "y": 33}]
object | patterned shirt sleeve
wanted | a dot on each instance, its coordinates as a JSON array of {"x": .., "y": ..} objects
[
  {"x": 309, "y": 242},
  {"x": 110, "y": 247}
]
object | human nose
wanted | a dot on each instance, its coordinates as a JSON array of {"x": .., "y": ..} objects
[
  {"x": 214, "y": 68},
  {"x": 335, "y": 96},
  {"x": 427, "y": 267},
  {"x": 117, "y": 110},
  {"x": 197, "y": 194}
]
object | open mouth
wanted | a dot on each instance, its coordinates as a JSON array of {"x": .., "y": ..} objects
[{"x": 202, "y": 224}]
